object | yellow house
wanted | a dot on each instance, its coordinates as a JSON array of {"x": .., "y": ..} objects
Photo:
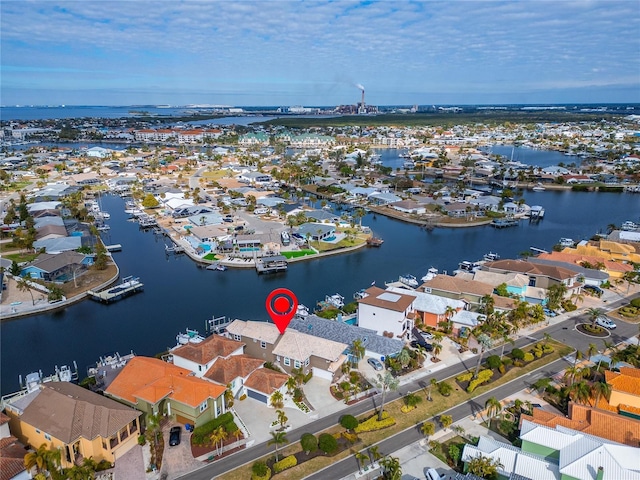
[
  {"x": 78, "y": 422},
  {"x": 625, "y": 391}
]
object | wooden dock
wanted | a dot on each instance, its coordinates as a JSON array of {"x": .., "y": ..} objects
[
  {"x": 128, "y": 286},
  {"x": 504, "y": 223}
]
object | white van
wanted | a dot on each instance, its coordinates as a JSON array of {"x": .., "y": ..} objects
[{"x": 432, "y": 474}]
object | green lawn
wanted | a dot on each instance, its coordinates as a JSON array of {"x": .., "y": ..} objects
[{"x": 298, "y": 253}]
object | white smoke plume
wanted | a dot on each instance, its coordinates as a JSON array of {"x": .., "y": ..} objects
[{"x": 359, "y": 86}]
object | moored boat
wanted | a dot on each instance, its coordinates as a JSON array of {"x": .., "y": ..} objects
[{"x": 409, "y": 280}]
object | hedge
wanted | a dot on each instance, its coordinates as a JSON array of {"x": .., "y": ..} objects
[
  {"x": 528, "y": 357},
  {"x": 260, "y": 471},
  {"x": 483, "y": 376},
  {"x": 202, "y": 433},
  {"x": 465, "y": 377},
  {"x": 635, "y": 302},
  {"x": 372, "y": 424},
  {"x": 286, "y": 462}
]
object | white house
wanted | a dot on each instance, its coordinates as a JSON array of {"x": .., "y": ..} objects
[
  {"x": 199, "y": 357},
  {"x": 388, "y": 313}
]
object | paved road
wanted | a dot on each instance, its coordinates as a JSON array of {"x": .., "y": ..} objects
[{"x": 563, "y": 331}]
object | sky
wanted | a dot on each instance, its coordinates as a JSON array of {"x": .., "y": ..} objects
[{"x": 284, "y": 52}]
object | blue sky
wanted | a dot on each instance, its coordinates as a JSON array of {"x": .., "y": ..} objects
[{"x": 281, "y": 52}]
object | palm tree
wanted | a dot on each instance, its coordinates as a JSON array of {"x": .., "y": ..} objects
[
  {"x": 592, "y": 350},
  {"x": 375, "y": 453},
  {"x": 361, "y": 458},
  {"x": 278, "y": 438},
  {"x": 357, "y": 351},
  {"x": 291, "y": 384},
  {"x": 484, "y": 467},
  {"x": 277, "y": 399},
  {"x": 43, "y": 459},
  {"x": 485, "y": 342},
  {"x": 385, "y": 382},
  {"x": 593, "y": 314},
  {"x": 23, "y": 286},
  {"x": 432, "y": 383},
  {"x": 580, "y": 392},
  {"x": 570, "y": 374},
  {"x": 282, "y": 418},
  {"x": 404, "y": 357},
  {"x": 437, "y": 348},
  {"x": 446, "y": 421},
  {"x": 493, "y": 406},
  {"x": 428, "y": 429},
  {"x": 599, "y": 389},
  {"x": 217, "y": 437},
  {"x": 391, "y": 468}
]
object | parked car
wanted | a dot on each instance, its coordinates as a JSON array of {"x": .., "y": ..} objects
[
  {"x": 549, "y": 313},
  {"x": 427, "y": 335},
  {"x": 421, "y": 342},
  {"x": 432, "y": 474},
  {"x": 593, "y": 290},
  {"x": 605, "y": 322},
  {"x": 375, "y": 363},
  {"x": 174, "y": 436}
]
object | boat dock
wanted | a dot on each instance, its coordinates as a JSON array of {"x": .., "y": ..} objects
[
  {"x": 175, "y": 248},
  {"x": 504, "y": 223},
  {"x": 116, "y": 247},
  {"x": 272, "y": 264},
  {"x": 128, "y": 286}
]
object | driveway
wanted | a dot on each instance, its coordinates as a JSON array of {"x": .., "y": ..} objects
[{"x": 177, "y": 460}]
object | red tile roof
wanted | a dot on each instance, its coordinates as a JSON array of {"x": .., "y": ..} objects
[
  {"x": 151, "y": 380},
  {"x": 266, "y": 380},
  {"x": 627, "y": 381},
  {"x": 210, "y": 348},
  {"x": 226, "y": 370}
]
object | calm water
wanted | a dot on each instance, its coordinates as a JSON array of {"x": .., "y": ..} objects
[{"x": 178, "y": 295}]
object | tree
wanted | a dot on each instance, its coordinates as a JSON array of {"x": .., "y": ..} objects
[
  {"x": 277, "y": 438},
  {"x": 592, "y": 350},
  {"x": 599, "y": 389},
  {"x": 412, "y": 400},
  {"x": 428, "y": 429},
  {"x": 493, "y": 406},
  {"x": 348, "y": 422},
  {"x": 485, "y": 467},
  {"x": 357, "y": 351},
  {"x": 44, "y": 460},
  {"x": 485, "y": 342},
  {"x": 432, "y": 383},
  {"x": 437, "y": 348},
  {"x": 23, "y": 286},
  {"x": 374, "y": 451},
  {"x": 150, "y": 201},
  {"x": 593, "y": 314},
  {"x": 277, "y": 400},
  {"x": 282, "y": 418},
  {"x": 446, "y": 421},
  {"x": 309, "y": 443},
  {"x": 291, "y": 384},
  {"x": 327, "y": 443},
  {"x": 361, "y": 457},
  {"x": 555, "y": 294},
  {"x": 218, "y": 436},
  {"x": 260, "y": 469},
  {"x": 580, "y": 392},
  {"x": 391, "y": 468},
  {"x": 385, "y": 382}
]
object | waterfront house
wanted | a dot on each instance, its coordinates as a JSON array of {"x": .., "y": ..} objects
[
  {"x": 263, "y": 383},
  {"x": 12, "y": 454},
  {"x": 233, "y": 372},
  {"x": 291, "y": 349},
  {"x": 431, "y": 309},
  {"x": 457, "y": 209},
  {"x": 58, "y": 245},
  {"x": 57, "y": 267},
  {"x": 156, "y": 387},
  {"x": 390, "y": 314},
  {"x": 588, "y": 276},
  {"x": 383, "y": 198},
  {"x": 409, "y": 206},
  {"x": 199, "y": 357},
  {"x": 542, "y": 276},
  {"x": 316, "y": 231},
  {"x": 458, "y": 287},
  {"x": 77, "y": 421},
  {"x": 338, "y": 331},
  {"x": 516, "y": 284}
]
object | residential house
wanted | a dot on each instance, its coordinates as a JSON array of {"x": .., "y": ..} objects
[
  {"x": 12, "y": 454},
  {"x": 459, "y": 287},
  {"x": 199, "y": 357},
  {"x": 255, "y": 178},
  {"x": 625, "y": 392},
  {"x": 156, "y": 387},
  {"x": 542, "y": 276},
  {"x": 431, "y": 309},
  {"x": 316, "y": 231},
  {"x": 263, "y": 383},
  {"x": 594, "y": 421},
  {"x": 409, "y": 206},
  {"x": 57, "y": 267},
  {"x": 383, "y": 198},
  {"x": 374, "y": 345},
  {"x": 291, "y": 349},
  {"x": 588, "y": 276},
  {"x": 233, "y": 372},
  {"x": 79, "y": 422},
  {"x": 390, "y": 314},
  {"x": 558, "y": 453}
]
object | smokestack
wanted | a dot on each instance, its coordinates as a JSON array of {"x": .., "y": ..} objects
[
  {"x": 363, "y": 99},
  {"x": 361, "y": 88}
]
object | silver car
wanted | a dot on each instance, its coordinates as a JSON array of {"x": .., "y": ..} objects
[
  {"x": 606, "y": 323},
  {"x": 376, "y": 364}
]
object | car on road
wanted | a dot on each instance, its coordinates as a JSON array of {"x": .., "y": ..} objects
[
  {"x": 174, "y": 436},
  {"x": 605, "y": 322},
  {"x": 375, "y": 363}
]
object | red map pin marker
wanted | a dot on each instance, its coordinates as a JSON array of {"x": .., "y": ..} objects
[{"x": 282, "y": 305}]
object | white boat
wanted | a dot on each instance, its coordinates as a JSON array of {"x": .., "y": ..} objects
[
  {"x": 466, "y": 266},
  {"x": 431, "y": 273},
  {"x": 360, "y": 294},
  {"x": 190, "y": 336},
  {"x": 217, "y": 266},
  {"x": 538, "y": 188},
  {"x": 335, "y": 300},
  {"x": 491, "y": 257},
  {"x": 628, "y": 226},
  {"x": 302, "y": 311},
  {"x": 566, "y": 242},
  {"x": 409, "y": 280}
]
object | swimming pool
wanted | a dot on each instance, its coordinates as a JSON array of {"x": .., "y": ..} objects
[
  {"x": 332, "y": 238},
  {"x": 249, "y": 249},
  {"x": 205, "y": 247}
]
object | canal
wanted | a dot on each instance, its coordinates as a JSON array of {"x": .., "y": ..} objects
[{"x": 178, "y": 295}]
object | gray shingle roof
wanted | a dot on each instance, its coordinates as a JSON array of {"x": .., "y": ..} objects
[{"x": 345, "y": 333}]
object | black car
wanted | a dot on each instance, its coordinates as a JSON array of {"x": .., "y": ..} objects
[
  {"x": 174, "y": 436},
  {"x": 593, "y": 290},
  {"x": 422, "y": 343}
]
